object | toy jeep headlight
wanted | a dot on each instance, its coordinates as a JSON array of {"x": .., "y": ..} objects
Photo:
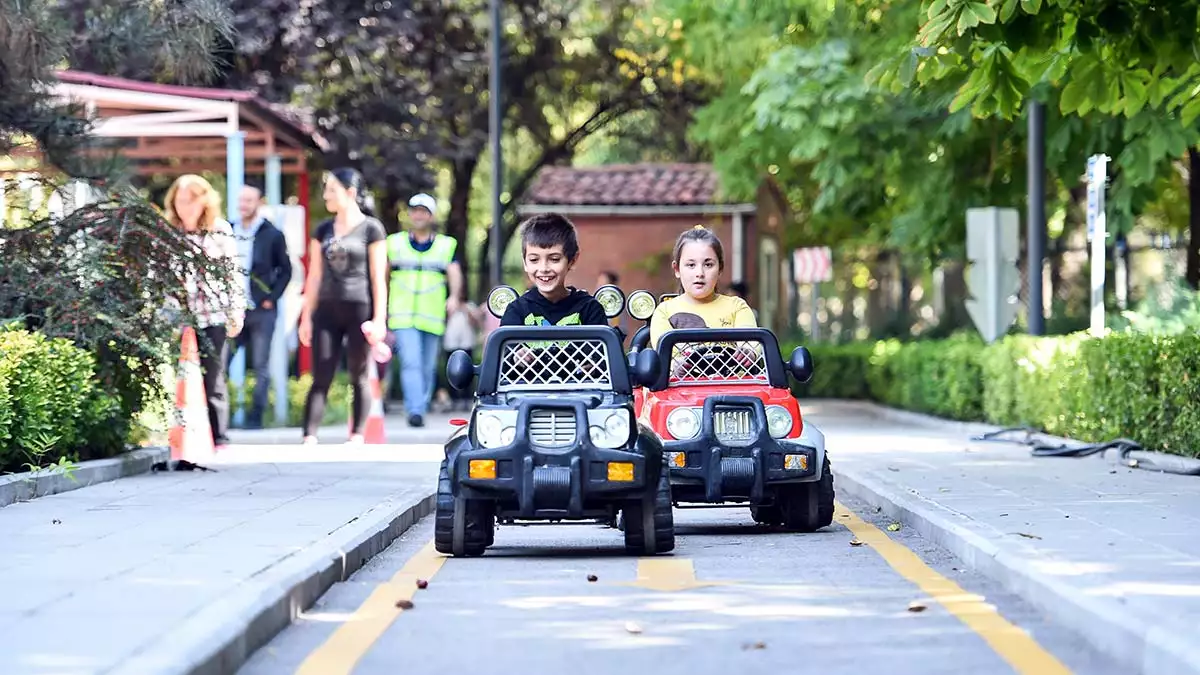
[
  {"x": 499, "y": 299},
  {"x": 608, "y": 428},
  {"x": 640, "y": 305},
  {"x": 611, "y": 299},
  {"x": 779, "y": 421},
  {"x": 494, "y": 430},
  {"x": 683, "y": 423}
]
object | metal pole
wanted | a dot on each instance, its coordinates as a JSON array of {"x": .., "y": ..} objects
[
  {"x": 494, "y": 129},
  {"x": 1036, "y": 225}
]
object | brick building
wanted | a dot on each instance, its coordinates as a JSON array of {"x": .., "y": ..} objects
[{"x": 628, "y": 217}]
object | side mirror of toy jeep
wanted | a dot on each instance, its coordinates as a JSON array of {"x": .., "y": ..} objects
[
  {"x": 647, "y": 367},
  {"x": 460, "y": 370},
  {"x": 801, "y": 364}
]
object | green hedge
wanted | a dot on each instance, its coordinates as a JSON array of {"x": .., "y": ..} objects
[
  {"x": 1132, "y": 385},
  {"x": 337, "y": 404},
  {"x": 50, "y": 402}
]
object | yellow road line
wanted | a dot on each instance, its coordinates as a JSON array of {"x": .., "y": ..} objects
[
  {"x": 341, "y": 652},
  {"x": 1014, "y": 645},
  {"x": 668, "y": 574}
]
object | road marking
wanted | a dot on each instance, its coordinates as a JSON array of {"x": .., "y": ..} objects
[
  {"x": 668, "y": 574},
  {"x": 342, "y": 651},
  {"x": 1014, "y": 645}
]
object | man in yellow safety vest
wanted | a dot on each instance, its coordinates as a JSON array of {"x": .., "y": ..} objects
[{"x": 426, "y": 282}]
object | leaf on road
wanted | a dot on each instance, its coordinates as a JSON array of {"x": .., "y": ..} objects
[
  {"x": 916, "y": 606},
  {"x": 754, "y": 645},
  {"x": 855, "y": 542},
  {"x": 422, "y": 583},
  {"x": 894, "y": 527},
  {"x": 1028, "y": 536},
  {"x": 631, "y": 627},
  {"x": 404, "y": 604},
  {"x": 592, "y": 577}
]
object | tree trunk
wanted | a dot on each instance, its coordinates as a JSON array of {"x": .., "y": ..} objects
[
  {"x": 457, "y": 221},
  {"x": 1193, "y": 246},
  {"x": 388, "y": 211}
]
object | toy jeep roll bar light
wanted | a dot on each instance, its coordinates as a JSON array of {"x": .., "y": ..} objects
[
  {"x": 552, "y": 437},
  {"x": 732, "y": 429}
]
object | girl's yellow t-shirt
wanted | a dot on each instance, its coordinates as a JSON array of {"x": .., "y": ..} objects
[{"x": 724, "y": 311}]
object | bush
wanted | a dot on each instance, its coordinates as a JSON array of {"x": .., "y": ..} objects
[
  {"x": 50, "y": 402},
  {"x": 337, "y": 404},
  {"x": 1131, "y": 385}
]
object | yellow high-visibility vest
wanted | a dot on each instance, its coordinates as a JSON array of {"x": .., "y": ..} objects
[{"x": 417, "y": 284}]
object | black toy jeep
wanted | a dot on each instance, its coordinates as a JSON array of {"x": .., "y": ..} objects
[{"x": 553, "y": 437}]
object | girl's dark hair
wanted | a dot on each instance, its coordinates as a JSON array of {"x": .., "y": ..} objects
[
  {"x": 351, "y": 178},
  {"x": 703, "y": 235}
]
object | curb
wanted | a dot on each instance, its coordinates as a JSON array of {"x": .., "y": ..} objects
[
  {"x": 22, "y": 487},
  {"x": 218, "y": 639},
  {"x": 1144, "y": 644}
]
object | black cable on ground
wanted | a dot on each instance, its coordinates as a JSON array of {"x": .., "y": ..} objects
[{"x": 1128, "y": 452}]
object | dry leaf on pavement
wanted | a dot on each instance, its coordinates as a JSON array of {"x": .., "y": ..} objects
[
  {"x": 894, "y": 527},
  {"x": 855, "y": 542},
  {"x": 632, "y": 627},
  {"x": 915, "y": 606}
]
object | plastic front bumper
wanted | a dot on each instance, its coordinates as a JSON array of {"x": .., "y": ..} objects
[
  {"x": 715, "y": 471},
  {"x": 560, "y": 482}
]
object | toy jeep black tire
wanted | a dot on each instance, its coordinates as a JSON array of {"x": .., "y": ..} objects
[
  {"x": 468, "y": 534},
  {"x": 649, "y": 525},
  {"x": 803, "y": 507}
]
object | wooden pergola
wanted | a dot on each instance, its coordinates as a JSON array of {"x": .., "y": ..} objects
[{"x": 174, "y": 129}]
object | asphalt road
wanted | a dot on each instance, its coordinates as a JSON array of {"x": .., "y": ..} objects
[{"x": 734, "y": 597}]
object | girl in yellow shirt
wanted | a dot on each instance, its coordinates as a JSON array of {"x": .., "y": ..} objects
[{"x": 698, "y": 261}]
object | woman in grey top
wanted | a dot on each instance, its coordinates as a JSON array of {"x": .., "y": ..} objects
[{"x": 346, "y": 287}]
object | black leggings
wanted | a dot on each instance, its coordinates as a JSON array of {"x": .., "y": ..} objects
[{"x": 333, "y": 322}]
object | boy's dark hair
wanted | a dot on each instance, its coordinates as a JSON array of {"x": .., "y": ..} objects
[
  {"x": 548, "y": 230},
  {"x": 611, "y": 276}
]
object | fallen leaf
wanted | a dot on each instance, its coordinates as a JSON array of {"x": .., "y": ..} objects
[
  {"x": 1003, "y": 515},
  {"x": 421, "y": 583},
  {"x": 844, "y": 515},
  {"x": 632, "y": 627},
  {"x": 404, "y": 604},
  {"x": 915, "y": 606},
  {"x": 943, "y": 489},
  {"x": 894, "y": 527},
  {"x": 892, "y": 468},
  {"x": 754, "y": 645},
  {"x": 1113, "y": 471},
  {"x": 592, "y": 577},
  {"x": 56, "y": 521},
  {"x": 1028, "y": 536},
  {"x": 855, "y": 542}
]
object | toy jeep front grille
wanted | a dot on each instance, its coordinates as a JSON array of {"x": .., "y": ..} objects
[
  {"x": 742, "y": 362},
  {"x": 734, "y": 424},
  {"x": 554, "y": 428},
  {"x": 554, "y": 364}
]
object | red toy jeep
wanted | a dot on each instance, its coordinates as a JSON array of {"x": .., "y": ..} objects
[{"x": 732, "y": 430}]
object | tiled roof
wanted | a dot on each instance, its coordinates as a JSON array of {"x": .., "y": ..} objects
[{"x": 625, "y": 184}]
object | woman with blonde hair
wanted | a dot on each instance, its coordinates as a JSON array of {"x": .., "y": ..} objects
[{"x": 217, "y": 304}]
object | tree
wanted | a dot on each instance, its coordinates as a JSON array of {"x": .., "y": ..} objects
[
  {"x": 406, "y": 88},
  {"x": 101, "y": 275}
]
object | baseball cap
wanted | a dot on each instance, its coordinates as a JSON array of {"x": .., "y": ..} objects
[{"x": 425, "y": 201}]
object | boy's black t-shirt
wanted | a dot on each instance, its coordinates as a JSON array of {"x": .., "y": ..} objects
[{"x": 579, "y": 308}]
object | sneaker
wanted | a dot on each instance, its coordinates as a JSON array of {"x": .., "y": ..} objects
[
  {"x": 356, "y": 439},
  {"x": 416, "y": 421},
  {"x": 310, "y": 440}
]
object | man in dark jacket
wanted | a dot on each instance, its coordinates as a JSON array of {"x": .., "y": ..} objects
[{"x": 267, "y": 270}]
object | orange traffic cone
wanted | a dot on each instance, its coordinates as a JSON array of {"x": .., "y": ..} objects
[
  {"x": 190, "y": 435},
  {"x": 373, "y": 432}
]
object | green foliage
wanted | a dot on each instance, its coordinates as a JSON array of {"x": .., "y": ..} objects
[
  {"x": 337, "y": 405},
  {"x": 50, "y": 403},
  {"x": 1132, "y": 385}
]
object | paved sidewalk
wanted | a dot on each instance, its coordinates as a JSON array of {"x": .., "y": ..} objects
[
  {"x": 396, "y": 430},
  {"x": 164, "y": 572},
  {"x": 1110, "y": 551}
]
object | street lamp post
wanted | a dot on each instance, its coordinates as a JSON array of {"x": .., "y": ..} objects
[{"x": 494, "y": 130}]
